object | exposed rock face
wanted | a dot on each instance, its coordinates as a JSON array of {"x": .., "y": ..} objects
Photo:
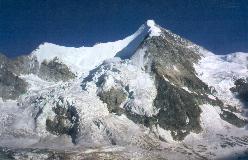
[
  {"x": 11, "y": 86},
  {"x": 3, "y": 61},
  {"x": 113, "y": 98},
  {"x": 241, "y": 88},
  {"x": 233, "y": 119},
  {"x": 66, "y": 119},
  {"x": 174, "y": 61},
  {"x": 55, "y": 71},
  {"x": 24, "y": 65},
  {"x": 179, "y": 110},
  {"x": 172, "y": 65}
]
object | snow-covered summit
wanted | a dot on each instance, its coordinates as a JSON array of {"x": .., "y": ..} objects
[
  {"x": 153, "y": 28},
  {"x": 81, "y": 60}
]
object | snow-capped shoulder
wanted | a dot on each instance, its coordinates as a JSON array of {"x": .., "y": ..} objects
[
  {"x": 83, "y": 59},
  {"x": 220, "y": 71},
  {"x": 238, "y": 57},
  {"x": 154, "y": 30}
]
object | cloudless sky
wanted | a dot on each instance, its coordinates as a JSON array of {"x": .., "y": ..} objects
[{"x": 218, "y": 25}]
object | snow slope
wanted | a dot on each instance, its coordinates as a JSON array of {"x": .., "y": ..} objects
[
  {"x": 238, "y": 57},
  {"x": 83, "y": 59},
  {"x": 221, "y": 71}
]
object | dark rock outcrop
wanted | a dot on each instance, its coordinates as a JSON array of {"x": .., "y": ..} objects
[
  {"x": 113, "y": 98},
  {"x": 241, "y": 88},
  {"x": 174, "y": 61},
  {"x": 179, "y": 110},
  {"x": 55, "y": 71},
  {"x": 11, "y": 86},
  {"x": 241, "y": 91},
  {"x": 3, "y": 61},
  {"x": 171, "y": 63},
  {"x": 24, "y": 65},
  {"x": 66, "y": 120},
  {"x": 233, "y": 119}
]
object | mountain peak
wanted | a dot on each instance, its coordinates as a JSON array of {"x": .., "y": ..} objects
[
  {"x": 148, "y": 92},
  {"x": 150, "y": 22},
  {"x": 154, "y": 30}
]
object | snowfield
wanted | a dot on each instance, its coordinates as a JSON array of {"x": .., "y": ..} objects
[
  {"x": 83, "y": 59},
  {"x": 221, "y": 71}
]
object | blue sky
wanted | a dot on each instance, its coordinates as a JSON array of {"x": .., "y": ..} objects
[{"x": 219, "y": 25}]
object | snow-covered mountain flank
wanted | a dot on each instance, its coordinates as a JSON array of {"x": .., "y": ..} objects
[{"x": 152, "y": 95}]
